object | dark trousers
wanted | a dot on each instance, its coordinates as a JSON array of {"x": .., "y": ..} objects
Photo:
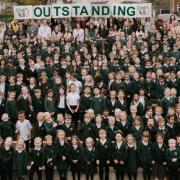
[
  {"x": 147, "y": 173},
  {"x": 49, "y": 173},
  {"x": 63, "y": 175},
  {"x": 120, "y": 172},
  {"x": 6, "y": 175},
  {"x": 89, "y": 176},
  {"x": 74, "y": 175},
  {"x": 75, "y": 116},
  {"x": 27, "y": 146},
  {"x": 103, "y": 170},
  {"x": 173, "y": 172},
  {"x": 33, "y": 170},
  {"x": 134, "y": 175}
]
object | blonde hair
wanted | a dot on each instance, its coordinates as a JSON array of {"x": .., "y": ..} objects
[{"x": 134, "y": 140}]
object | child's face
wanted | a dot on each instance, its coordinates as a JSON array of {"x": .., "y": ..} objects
[
  {"x": 118, "y": 137},
  {"x": 150, "y": 122},
  {"x": 158, "y": 111},
  {"x": 159, "y": 140},
  {"x": 20, "y": 145},
  {"x": 123, "y": 116},
  {"x": 38, "y": 94},
  {"x": 111, "y": 121},
  {"x": 171, "y": 120},
  {"x": 74, "y": 141},
  {"x": 161, "y": 123},
  {"x": 8, "y": 142},
  {"x": 98, "y": 119},
  {"x": 172, "y": 144},
  {"x": 21, "y": 117},
  {"x": 68, "y": 120},
  {"x": 87, "y": 119},
  {"x": 133, "y": 110},
  {"x": 60, "y": 118},
  {"x": 137, "y": 122},
  {"x": 145, "y": 138},
  {"x": 5, "y": 117},
  {"x": 61, "y": 91},
  {"x": 89, "y": 143},
  {"x": 96, "y": 91},
  {"x": 61, "y": 136},
  {"x": 37, "y": 143},
  {"x": 49, "y": 141},
  {"x": 50, "y": 94},
  {"x": 73, "y": 88},
  {"x": 102, "y": 135},
  {"x": 87, "y": 90},
  {"x": 12, "y": 95},
  {"x": 113, "y": 95},
  {"x": 130, "y": 140}
]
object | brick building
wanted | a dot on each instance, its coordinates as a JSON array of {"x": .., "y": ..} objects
[{"x": 174, "y": 6}]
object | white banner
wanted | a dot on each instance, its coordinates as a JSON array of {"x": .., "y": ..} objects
[{"x": 83, "y": 10}]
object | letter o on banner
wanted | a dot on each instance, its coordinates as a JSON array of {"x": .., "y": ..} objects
[{"x": 37, "y": 11}]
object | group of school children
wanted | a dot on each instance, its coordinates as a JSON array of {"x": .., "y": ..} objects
[{"x": 109, "y": 99}]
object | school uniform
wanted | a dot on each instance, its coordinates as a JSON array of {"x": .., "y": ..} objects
[
  {"x": 20, "y": 162},
  {"x": 103, "y": 154},
  {"x": 96, "y": 128},
  {"x": 159, "y": 169},
  {"x": 165, "y": 132},
  {"x": 111, "y": 105},
  {"x": 12, "y": 109},
  {"x": 62, "y": 149},
  {"x": 152, "y": 132},
  {"x": 111, "y": 132},
  {"x": 89, "y": 159},
  {"x": 122, "y": 104},
  {"x": 49, "y": 129},
  {"x": 2, "y": 106},
  {"x": 117, "y": 85},
  {"x": 136, "y": 132},
  {"x": 68, "y": 129},
  {"x": 172, "y": 166},
  {"x": 119, "y": 153},
  {"x": 61, "y": 104},
  {"x": 75, "y": 153},
  {"x": 124, "y": 127},
  {"x": 166, "y": 102},
  {"x": 7, "y": 163},
  {"x": 6, "y": 129},
  {"x": 38, "y": 105},
  {"x": 37, "y": 157},
  {"x": 49, "y": 160},
  {"x": 23, "y": 104},
  {"x": 171, "y": 131},
  {"x": 145, "y": 158},
  {"x": 98, "y": 104},
  {"x": 49, "y": 105},
  {"x": 86, "y": 130},
  {"x": 131, "y": 162}
]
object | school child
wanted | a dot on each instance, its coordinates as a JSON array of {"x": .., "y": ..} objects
[
  {"x": 132, "y": 114},
  {"x": 103, "y": 155},
  {"x": 98, "y": 102},
  {"x": 171, "y": 126},
  {"x": 112, "y": 103},
  {"x": 49, "y": 125},
  {"x": 61, "y": 102},
  {"x": 68, "y": 127},
  {"x": 75, "y": 157},
  {"x": 159, "y": 159},
  {"x": 148, "y": 114},
  {"x": 89, "y": 158},
  {"x": 123, "y": 125},
  {"x": 145, "y": 150},
  {"x": 72, "y": 101},
  {"x": 38, "y": 129},
  {"x": 158, "y": 113},
  {"x": 37, "y": 102},
  {"x": 11, "y": 106},
  {"x": 85, "y": 101},
  {"x": 121, "y": 102},
  {"x": 2, "y": 104},
  {"x": 49, "y": 157},
  {"x": 97, "y": 126},
  {"x": 49, "y": 104},
  {"x": 172, "y": 158},
  {"x": 105, "y": 117},
  {"x": 119, "y": 155},
  {"x": 132, "y": 158},
  {"x": 24, "y": 101},
  {"x": 161, "y": 128},
  {"x": 36, "y": 158},
  {"x": 7, "y": 153},
  {"x": 59, "y": 121},
  {"x": 137, "y": 128},
  {"x": 61, "y": 154},
  {"x": 151, "y": 128},
  {"x": 111, "y": 129},
  {"x": 6, "y": 127},
  {"x": 86, "y": 129},
  {"x": 20, "y": 160},
  {"x": 23, "y": 129}
]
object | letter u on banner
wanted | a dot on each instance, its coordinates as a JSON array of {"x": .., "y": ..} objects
[{"x": 42, "y": 12}]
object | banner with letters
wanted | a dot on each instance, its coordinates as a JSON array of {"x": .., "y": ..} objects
[{"x": 133, "y": 10}]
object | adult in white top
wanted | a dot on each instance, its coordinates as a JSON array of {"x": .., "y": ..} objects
[
  {"x": 78, "y": 32},
  {"x": 44, "y": 30}
]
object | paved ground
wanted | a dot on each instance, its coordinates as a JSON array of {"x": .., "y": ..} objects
[{"x": 111, "y": 176}]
